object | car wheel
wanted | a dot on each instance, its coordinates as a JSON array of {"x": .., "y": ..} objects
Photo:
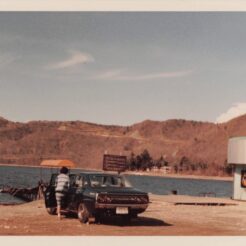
[
  {"x": 51, "y": 210},
  {"x": 98, "y": 218},
  {"x": 83, "y": 213}
]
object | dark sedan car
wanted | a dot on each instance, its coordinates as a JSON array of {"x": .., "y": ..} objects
[{"x": 93, "y": 195}]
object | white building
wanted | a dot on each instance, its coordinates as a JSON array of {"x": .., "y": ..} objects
[{"x": 237, "y": 157}]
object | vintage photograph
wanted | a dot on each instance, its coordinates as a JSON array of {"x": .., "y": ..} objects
[{"x": 122, "y": 124}]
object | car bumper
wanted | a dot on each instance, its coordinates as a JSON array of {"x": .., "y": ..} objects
[{"x": 114, "y": 206}]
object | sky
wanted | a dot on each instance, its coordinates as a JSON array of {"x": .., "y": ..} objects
[{"x": 122, "y": 68}]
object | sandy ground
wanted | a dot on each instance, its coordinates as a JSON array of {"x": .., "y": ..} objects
[{"x": 162, "y": 217}]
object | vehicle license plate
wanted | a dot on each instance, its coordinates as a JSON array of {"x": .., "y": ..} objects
[{"x": 121, "y": 210}]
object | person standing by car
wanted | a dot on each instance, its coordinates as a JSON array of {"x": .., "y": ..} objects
[{"x": 62, "y": 185}]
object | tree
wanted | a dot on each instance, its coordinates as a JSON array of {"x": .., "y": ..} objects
[
  {"x": 132, "y": 162},
  {"x": 146, "y": 160},
  {"x": 228, "y": 169},
  {"x": 161, "y": 162},
  {"x": 185, "y": 163},
  {"x": 138, "y": 162}
]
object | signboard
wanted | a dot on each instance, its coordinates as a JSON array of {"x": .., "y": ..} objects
[
  {"x": 114, "y": 163},
  {"x": 243, "y": 178}
]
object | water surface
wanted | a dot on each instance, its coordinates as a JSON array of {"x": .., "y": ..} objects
[{"x": 24, "y": 177}]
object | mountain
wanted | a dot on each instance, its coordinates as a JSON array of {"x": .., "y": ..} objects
[{"x": 85, "y": 143}]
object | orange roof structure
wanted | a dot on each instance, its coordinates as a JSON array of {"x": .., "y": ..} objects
[{"x": 57, "y": 163}]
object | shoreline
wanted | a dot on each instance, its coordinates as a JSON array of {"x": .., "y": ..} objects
[
  {"x": 141, "y": 173},
  {"x": 180, "y": 176}
]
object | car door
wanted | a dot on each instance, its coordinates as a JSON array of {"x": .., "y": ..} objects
[
  {"x": 50, "y": 196},
  {"x": 75, "y": 191}
]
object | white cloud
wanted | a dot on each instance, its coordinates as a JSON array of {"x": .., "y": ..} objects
[
  {"x": 110, "y": 74},
  {"x": 6, "y": 59},
  {"x": 157, "y": 75},
  {"x": 236, "y": 110},
  {"x": 119, "y": 75},
  {"x": 75, "y": 58}
]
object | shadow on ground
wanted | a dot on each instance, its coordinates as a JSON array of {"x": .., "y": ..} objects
[
  {"x": 122, "y": 221},
  {"x": 139, "y": 221}
]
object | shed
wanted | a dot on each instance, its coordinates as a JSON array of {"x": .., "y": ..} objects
[
  {"x": 57, "y": 163},
  {"x": 237, "y": 158}
]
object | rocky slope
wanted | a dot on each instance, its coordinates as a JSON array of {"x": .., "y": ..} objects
[{"x": 85, "y": 143}]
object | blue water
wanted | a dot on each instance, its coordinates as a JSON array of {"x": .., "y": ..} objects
[
  {"x": 192, "y": 187},
  {"x": 28, "y": 177}
]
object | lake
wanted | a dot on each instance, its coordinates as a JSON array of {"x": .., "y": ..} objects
[{"x": 21, "y": 177}]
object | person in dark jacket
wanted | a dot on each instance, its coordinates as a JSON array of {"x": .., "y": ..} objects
[{"x": 62, "y": 186}]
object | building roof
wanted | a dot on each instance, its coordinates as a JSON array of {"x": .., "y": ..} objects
[{"x": 57, "y": 163}]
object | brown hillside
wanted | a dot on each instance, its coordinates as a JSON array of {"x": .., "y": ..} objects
[{"x": 85, "y": 143}]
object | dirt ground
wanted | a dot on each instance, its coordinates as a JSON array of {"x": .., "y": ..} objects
[{"x": 163, "y": 217}]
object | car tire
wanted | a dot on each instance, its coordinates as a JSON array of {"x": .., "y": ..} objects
[
  {"x": 98, "y": 218},
  {"x": 51, "y": 210},
  {"x": 83, "y": 213}
]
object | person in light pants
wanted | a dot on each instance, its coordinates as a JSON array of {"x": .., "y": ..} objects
[{"x": 62, "y": 186}]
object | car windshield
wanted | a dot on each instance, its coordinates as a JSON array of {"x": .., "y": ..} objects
[{"x": 107, "y": 181}]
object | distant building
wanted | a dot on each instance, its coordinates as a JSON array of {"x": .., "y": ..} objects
[
  {"x": 57, "y": 163},
  {"x": 155, "y": 169},
  {"x": 166, "y": 169},
  {"x": 237, "y": 158}
]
